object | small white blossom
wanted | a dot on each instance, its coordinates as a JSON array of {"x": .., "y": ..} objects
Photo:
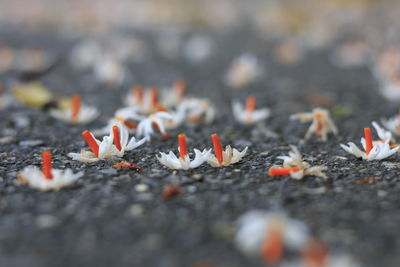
[
  {"x": 295, "y": 159},
  {"x": 380, "y": 150},
  {"x": 255, "y": 226},
  {"x": 229, "y": 155},
  {"x": 321, "y": 125},
  {"x": 172, "y": 97},
  {"x": 106, "y": 150},
  {"x": 34, "y": 177},
  {"x": 173, "y": 162},
  {"x": 243, "y": 70},
  {"x": 146, "y": 101},
  {"x": 246, "y": 116},
  {"x": 109, "y": 70},
  {"x": 86, "y": 114},
  {"x": 198, "y": 110},
  {"x": 158, "y": 119}
]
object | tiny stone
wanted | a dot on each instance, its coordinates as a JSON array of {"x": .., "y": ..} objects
[
  {"x": 30, "y": 143},
  {"x": 197, "y": 176},
  {"x": 46, "y": 221},
  {"x": 382, "y": 193},
  {"x": 141, "y": 188},
  {"x": 136, "y": 210}
]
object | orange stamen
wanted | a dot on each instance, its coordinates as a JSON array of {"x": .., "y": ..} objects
[
  {"x": 217, "y": 148},
  {"x": 130, "y": 124},
  {"x": 91, "y": 142},
  {"x": 46, "y": 165},
  {"x": 315, "y": 254},
  {"x": 180, "y": 87},
  {"x": 154, "y": 97},
  {"x": 160, "y": 107},
  {"x": 368, "y": 140},
  {"x": 117, "y": 140},
  {"x": 319, "y": 116},
  {"x": 282, "y": 171},
  {"x": 76, "y": 106},
  {"x": 182, "y": 146},
  {"x": 272, "y": 249},
  {"x": 138, "y": 93},
  {"x": 157, "y": 127},
  {"x": 250, "y": 103}
]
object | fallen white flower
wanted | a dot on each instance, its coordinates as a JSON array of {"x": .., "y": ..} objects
[
  {"x": 321, "y": 125},
  {"x": 109, "y": 70},
  {"x": 255, "y": 226},
  {"x": 146, "y": 101},
  {"x": 294, "y": 166},
  {"x": 158, "y": 119},
  {"x": 248, "y": 114},
  {"x": 243, "y": 70},
  {"x": 183, "y": 161},
  {"x": 99, "y": 149},
  {"x": 224, "y": 157},
  {"x": 47, "y": 178},
  {"x": 198, "y": 110},
  {"x": 78, "y": 113},
  {"x": 61, "y": 178},
  {"x": 373, "y": 150},
  {"x": 172, "y": 97}
]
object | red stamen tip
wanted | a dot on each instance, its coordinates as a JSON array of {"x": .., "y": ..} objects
[
  {"x": 91, "y": 142},
  {"x": 154, "y": 96},
  {"x": 117, "y": 140},
  {"x": 217, "y": 148},
  {"x": 315, "y": 254},
  {"x": 250, "y": 103},
  {"x": 46, "y": 165},
  {"x": 272, "y": 249},
  {"x": 76, "y": 106},
  {"x": 368, "y": 140},
  {"x": 282, "y": 171},
  {"x": 182, "y": 146},
  {"x": 180, "y": 87},
  {"x": 138, "y": 93}
]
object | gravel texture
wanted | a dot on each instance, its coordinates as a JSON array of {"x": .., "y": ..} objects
[{"x": 106, "y": 219}]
